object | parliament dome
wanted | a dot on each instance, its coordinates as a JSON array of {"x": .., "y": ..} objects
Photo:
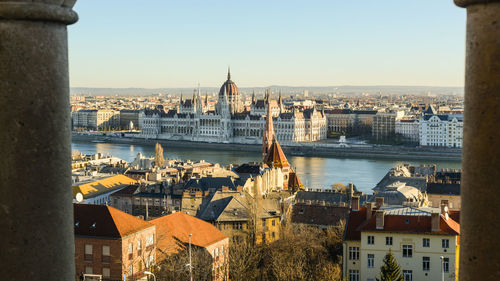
[{"x": 229, "y": 86}]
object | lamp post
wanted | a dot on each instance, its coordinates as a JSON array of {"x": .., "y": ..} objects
[{"x": 150, "y": 273}]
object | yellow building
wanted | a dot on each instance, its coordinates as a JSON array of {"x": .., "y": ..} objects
[{"x": 417, "y": 237}]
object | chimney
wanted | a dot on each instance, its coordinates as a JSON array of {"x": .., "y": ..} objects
[
  {"x": 435, "y": 222},
  {"x": 379, "y": 219},
  {"x": 239, "y": 188},
  {"x": 379, "y": 202},
  {"x": 225, "y": 188},
  {"x": 369, "y": 207},
  {"x": 355, "y": 203},
  {"x": 198, "y": 194}
]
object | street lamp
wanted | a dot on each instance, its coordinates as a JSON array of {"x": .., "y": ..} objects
[{"x": 150, "y": 273}]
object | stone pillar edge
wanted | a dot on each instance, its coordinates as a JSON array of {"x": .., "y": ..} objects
[{"x": 37, "y": 12}]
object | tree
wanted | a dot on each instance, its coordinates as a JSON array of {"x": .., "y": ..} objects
[
  {"x": 390, "y": 271},
  {"x": 159, "y": 160}
]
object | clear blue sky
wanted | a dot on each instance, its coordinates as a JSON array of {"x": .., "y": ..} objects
[{"x": 157, "y": 43}]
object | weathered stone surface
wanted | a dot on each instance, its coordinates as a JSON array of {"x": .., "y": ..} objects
[
  {"x": 480, "y": 218},
  {"x": 465, "y": 3},
  {"x": 36, "y": 222}
]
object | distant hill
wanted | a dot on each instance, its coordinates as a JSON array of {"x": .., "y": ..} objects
[{"x": 286, "y": 90}]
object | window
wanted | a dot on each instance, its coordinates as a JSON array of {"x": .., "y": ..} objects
[
  {"x": 130, "y": 270},
  {"x": 407, "y": 275},
  {"x": 105, "y": 272},
  {"x": 426, "y": 263},
  {"x": 354, "y": 253},
  {"x": 446, "y": 265},
  {"x": 371, "y": 258},
  {"x": 88, "y": 252},
  {"x": 407, "y": 251},
  {"x": 388, "y": 241},
  {"x": 89, "y": 270},
  {"x": 371, "y": 240},
  {"x": 105, "y": 254},
  {"x": 353, "y": 275},
  {"x": 150, "y": 240},
  {"x": 445, "y": 243},
  {"x": 426, "y": 242},
  {"x": 222, "y": 250},
  {"x": 274, "y": 222}
]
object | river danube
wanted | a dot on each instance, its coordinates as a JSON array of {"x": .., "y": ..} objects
[{"x": 315, "y": 172}]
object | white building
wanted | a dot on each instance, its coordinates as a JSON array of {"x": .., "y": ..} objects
[
  {"x": 441, "y": 130},
  {"x": 93, "y": 119},
  {"x": 229, "y": 123},
  {"x": 408, "y": 128}
]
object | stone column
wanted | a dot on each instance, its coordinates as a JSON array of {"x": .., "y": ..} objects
[
  {"x": 36, "y": 214},
  {"x": 480, "y": 217}
]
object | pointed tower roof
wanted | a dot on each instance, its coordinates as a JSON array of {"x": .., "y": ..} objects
[
  {"x": 228, "y": 73},
  {"x": 275, "y": 156},
  {"x": 294, "y": 182},
  {"x": 269, "y": 132}
]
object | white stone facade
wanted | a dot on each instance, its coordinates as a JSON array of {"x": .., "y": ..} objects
[
  {"x": 441, "y": 130},
  {"x": 229, "y": 124},
  {"x": 408, "y": 128}
]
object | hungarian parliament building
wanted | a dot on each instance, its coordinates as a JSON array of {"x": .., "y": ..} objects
[{"x": 231, "y": 121}]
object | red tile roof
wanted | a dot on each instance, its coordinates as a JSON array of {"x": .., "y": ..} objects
[
  {"x": 105, "y": 221},
  {"x": 354, "y": 221},
  {"x": 397, "y": 223},
  {"x": 276, "y": 156},
  {"x": 173, "y": 231},
  {"x": 294, "y": 182}
]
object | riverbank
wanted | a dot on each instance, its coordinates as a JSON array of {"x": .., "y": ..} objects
[{"x": 373, "y": 152}]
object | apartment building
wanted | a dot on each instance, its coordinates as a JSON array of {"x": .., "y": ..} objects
[
  {"x": 441, "y": 130},
  {"x": 111, "y": 244},
  {"x": 424, "y": 242}
]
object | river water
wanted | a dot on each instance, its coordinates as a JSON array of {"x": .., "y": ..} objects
[{"x": 314, "y": 172}]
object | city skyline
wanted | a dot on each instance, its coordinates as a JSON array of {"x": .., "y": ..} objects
[{"x": 170, "y": 45}]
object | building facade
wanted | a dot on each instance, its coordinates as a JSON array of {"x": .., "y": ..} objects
[
  {"x": 408, "y": 128},
  {"x": 384, "y": 125},
  {"x": 229, "y": 123},
  {"x": 98, "y": 120},
  {"x": 441, "y": 130},
  {"x": 417, "y": 238},
  {"x": 112, "y": 244}
]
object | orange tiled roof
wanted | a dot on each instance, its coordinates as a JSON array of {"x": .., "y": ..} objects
[
  {"x": 173, "y": 232},
  {"x": 105, "y": 221},
  {"x": 102, "y": 185},
  {"x": 275, "y": 156},
  {"x": 294, "y": 182}
]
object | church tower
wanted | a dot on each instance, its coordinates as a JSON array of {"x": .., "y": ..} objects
[{"x": 268, "y": 136}]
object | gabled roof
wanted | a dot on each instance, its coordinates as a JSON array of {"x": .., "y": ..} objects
[
  {"x": 275, "y": 156},
  {"x": 102, "y": 186},
  {"x": 224, "y": 209},
  {"x": 173, "y": 232},
  {"x": 105, "y": 221}
]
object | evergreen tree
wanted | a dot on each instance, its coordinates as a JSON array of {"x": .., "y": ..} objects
[
  {"x": 390, "y": 271},
  {"x": 159, "y": 161}
]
